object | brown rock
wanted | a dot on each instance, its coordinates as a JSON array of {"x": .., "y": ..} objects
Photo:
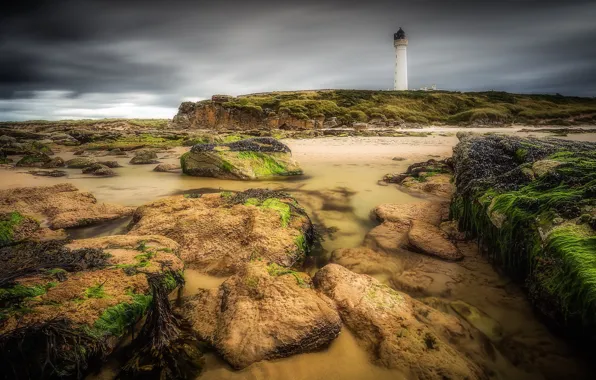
[
  {"x": 263, "y": 312},
  {"x": 144, "y": 157},
  {"x": 164, "y": 168},
  {"x": 60, "y": 206},
  {"x": 432, "y": 241},
  {"x": 217, "y": 238},
  {"x": 430, "y": 212},
  {"x": 398, "y": 331}
]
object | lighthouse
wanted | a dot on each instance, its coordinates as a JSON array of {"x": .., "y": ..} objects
[{"x": 400, "y": 78}]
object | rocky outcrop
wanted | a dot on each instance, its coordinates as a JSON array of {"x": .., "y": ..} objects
[
  {"x": 532, "y": 202},
  {"x": 85, "y": 295},
  {"x": 263, "y": 312},
  {"x": 398, "y": 331},
  {"x": 37, "y": 160},
  {"x": 219, "y": 232},
  {"x": 218, "y": 116},
  {"x": 254, "y": 158},
  {"x": 60, "y": 206}
]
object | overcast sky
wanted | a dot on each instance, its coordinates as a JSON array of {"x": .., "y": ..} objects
[{"x": 114, "y": 58}]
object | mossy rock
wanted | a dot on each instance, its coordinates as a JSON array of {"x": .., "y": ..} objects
[
  {"x": 15, "y": 227},
  {"x": 34, "y": 160},
  {"x": 80, "y": 162},
  {"x": 247, "y": 159},
  {"x": 538, "y": 228},
  {"x": 220, "y": 232},
  {"x": 86, "y": 295}
]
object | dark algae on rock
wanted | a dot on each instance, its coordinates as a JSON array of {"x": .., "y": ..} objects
[{"x": 532, "y": 203}]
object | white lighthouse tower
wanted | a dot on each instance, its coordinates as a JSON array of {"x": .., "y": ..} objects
[{"x": 400, "y": 79}]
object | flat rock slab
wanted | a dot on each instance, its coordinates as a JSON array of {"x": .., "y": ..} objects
[
  {"x": 398, "y": 331},
  {"x": 430, "y": 240},
  {"x": 60, "y": 206},
  {"x": 263, "y": 312}
]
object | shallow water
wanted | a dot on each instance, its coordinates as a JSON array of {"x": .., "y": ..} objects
[{"x": 339, "y": 190}]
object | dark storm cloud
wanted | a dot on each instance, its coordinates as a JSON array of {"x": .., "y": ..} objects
[{"x": 86, "y": 58}]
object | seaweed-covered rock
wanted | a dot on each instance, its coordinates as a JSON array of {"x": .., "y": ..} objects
[
  {"x": 110, "y": 164},
  {"x": 80, "y": 162},
  {"x": 34, "y": 160},
  {"x": 263, "y": 312},
  {"x": 432, "y": 177},
  {"x": 144, "y": 157},
  {"x": 99, "y": 170},
  {"x": 532, "y": 202},
  {"x": 61, "y": 306},
  {"x": 60, "y": 206},
  {"x": 56, "y": 162},
  {"x": 219, "y": 232},
  {"x": 398, "y": 331},
  {"x": 254, "y": 158}
]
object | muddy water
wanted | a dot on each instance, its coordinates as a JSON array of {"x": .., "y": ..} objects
[{"x": 339, "y": 190}]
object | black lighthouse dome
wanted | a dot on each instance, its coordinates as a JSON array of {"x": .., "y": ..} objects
[{"x": 400, "y": 35}]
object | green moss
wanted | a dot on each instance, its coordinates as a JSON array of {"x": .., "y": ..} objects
[
  {"x": 226, "y": 166},
  {"x": 96, "y": 291},
  {"x": 521, "y": 154},
  {"x": 183, "y": 159},
  {"x": 117, "y": 319},
  {"x": 7, "y": 227},
  {"x": 283, "y": 209},
  {"x": 301, "y": 243},
  {"x": 263, "y": 164},
  {"x": 131, "y": 142},
  {"x": 226, "y": 194}
]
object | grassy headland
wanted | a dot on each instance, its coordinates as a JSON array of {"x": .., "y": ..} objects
[{"x": 422, "y": 107}]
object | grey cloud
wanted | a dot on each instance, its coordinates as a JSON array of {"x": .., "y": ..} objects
[{"x": 98, "y": 51}]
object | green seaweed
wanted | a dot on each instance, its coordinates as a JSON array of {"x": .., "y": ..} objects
[
  {"x": 7, "y": 227},
  {"x": 117, "y": 319},
  {"x": 96, "y": 291},
  {"x": 526, "y": 232}
]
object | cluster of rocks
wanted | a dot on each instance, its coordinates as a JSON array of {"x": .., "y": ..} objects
[{"x": 430, "y": 177}]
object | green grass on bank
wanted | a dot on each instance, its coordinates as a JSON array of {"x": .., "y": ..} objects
[
  {"x": 419, "y": 106},
  {"x": 143, "y": 123}
]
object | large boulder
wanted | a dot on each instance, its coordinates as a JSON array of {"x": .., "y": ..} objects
[
  {"x": 99, "y": 170},
  {"x": 60, "y": 206},
  {"x": 533, "y": 204},
  {"x": 219, "y": 232},
  {"x": 34, "y": 160},
  {"x": 398, "y": 331},
  {"x": 62, "y": 306},
  {"x": 263, "y": 312},
  {"x": 255, "y": 158}
]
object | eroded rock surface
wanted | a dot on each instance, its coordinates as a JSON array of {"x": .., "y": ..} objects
[
  {"x": 85, "y": 295},
  {"x": 254, "y": 158},
  {"x": 60, "y": 206},
  {"x": 219, "y": 232},
  {"x": 398, "y": 331},
  {"x": 263, "y": 312}
]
